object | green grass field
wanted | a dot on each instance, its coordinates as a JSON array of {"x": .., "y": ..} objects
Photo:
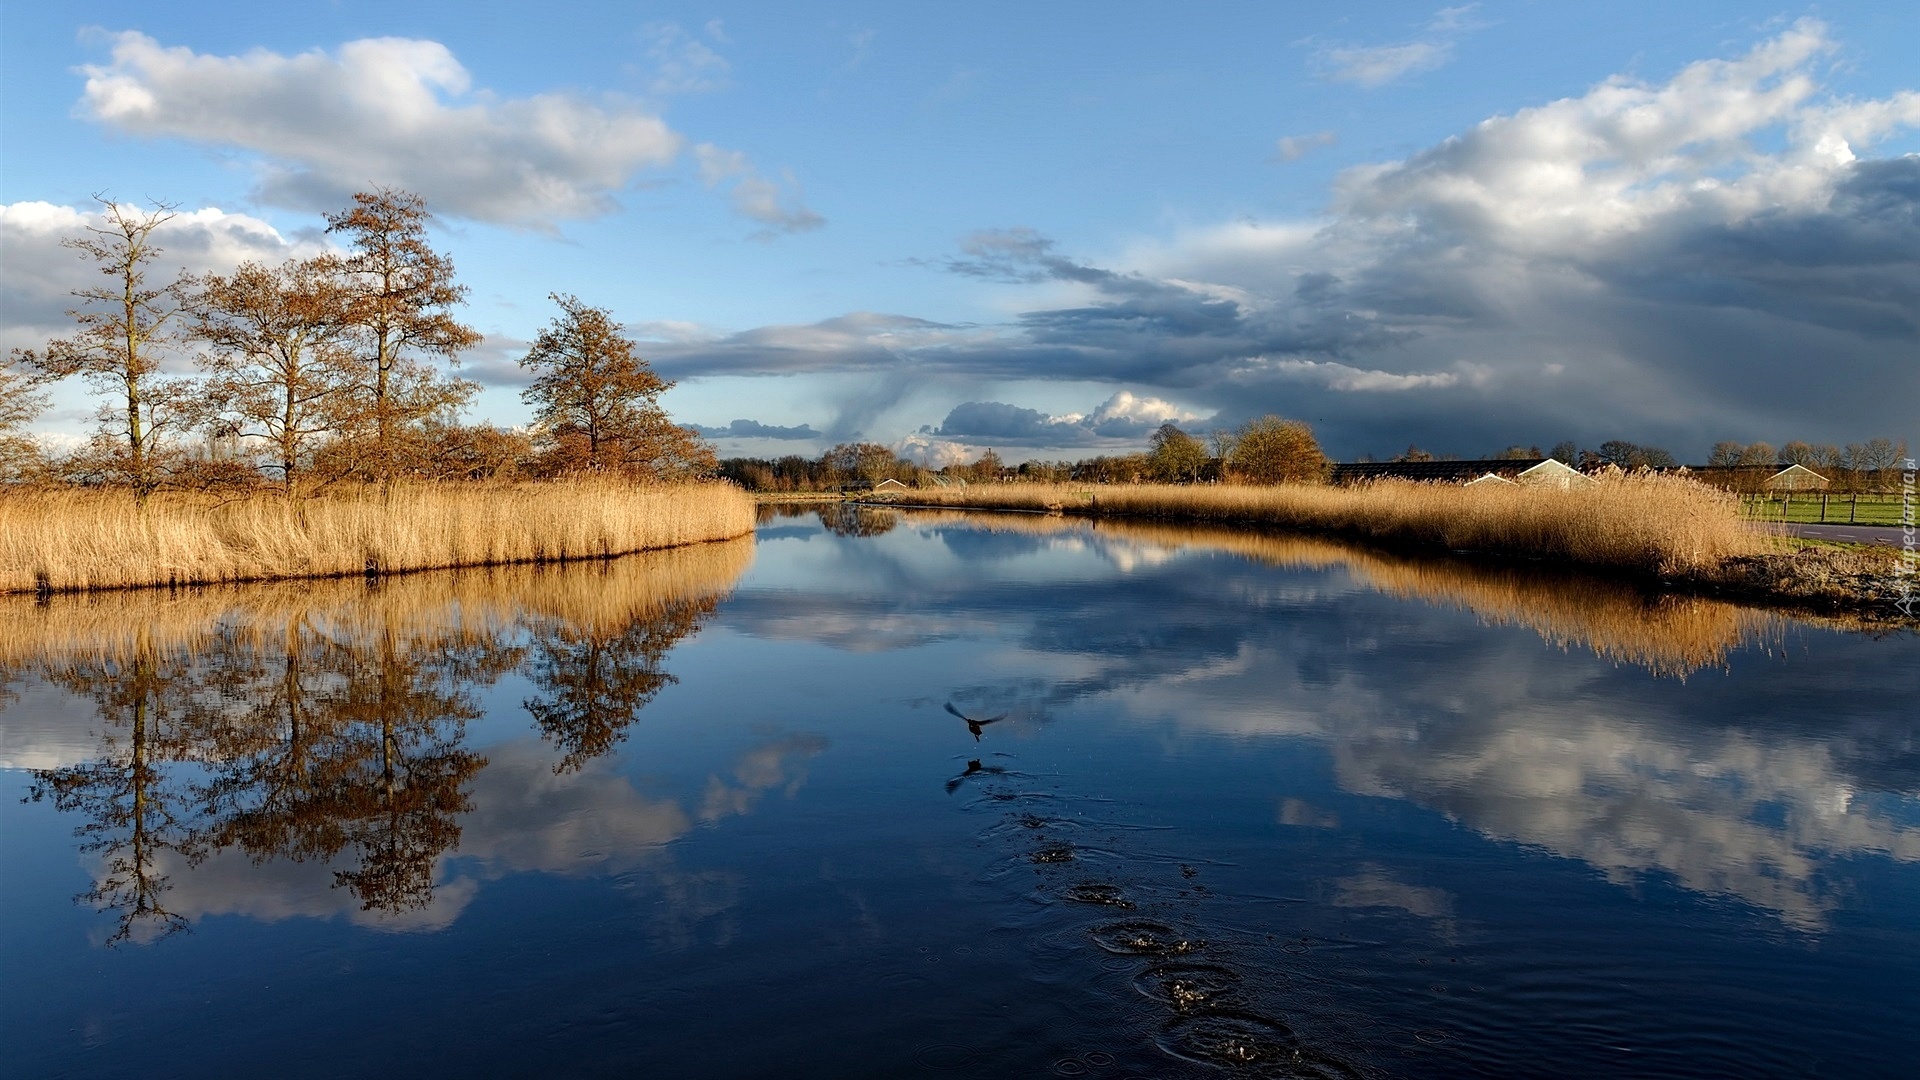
[{"x": 1832, "y": 510}]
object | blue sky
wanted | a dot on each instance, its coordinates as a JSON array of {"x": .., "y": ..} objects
[{"x": 1046, "y": 229}]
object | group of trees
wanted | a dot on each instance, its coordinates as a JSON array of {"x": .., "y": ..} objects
[
  {"x": 1268, "y": 450},
  {"x": 327, "y": 368},
  {"x": 1872, "y": 456}
]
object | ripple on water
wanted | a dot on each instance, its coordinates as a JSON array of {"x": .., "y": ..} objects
[
  {"x": 1053, "y": 853},
  {"x": 1097, "y": 893},
  {"x": 1142, "y": 937},
  {"x": 946, "y": 1056},
  {"x": 1188, "y": 986},
  {"x": 1247, "y": 1044}
]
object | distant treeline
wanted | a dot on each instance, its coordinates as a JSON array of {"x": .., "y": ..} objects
[
  {"x": 1268, "y": 450},
  {"x": 1273, "y": 450}
]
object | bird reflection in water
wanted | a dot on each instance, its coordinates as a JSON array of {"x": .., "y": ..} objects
[
  {"x": 972, "y": 724},
  {"x": 974, "y": 768}
]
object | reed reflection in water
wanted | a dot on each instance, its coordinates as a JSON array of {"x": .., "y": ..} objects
[
  {"x": 326, "y": 722},
  {"x": 1665, "y": 633}
]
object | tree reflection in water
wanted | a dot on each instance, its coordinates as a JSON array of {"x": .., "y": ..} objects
[
  {"x": 329, "y": 723},
  {"x": 849, "y": 519},
  {"x": 136, "y": 809},
  {"x": 594, "y": 680}
]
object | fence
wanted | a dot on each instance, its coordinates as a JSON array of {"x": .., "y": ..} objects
[{"x": 1824, "y": 508}]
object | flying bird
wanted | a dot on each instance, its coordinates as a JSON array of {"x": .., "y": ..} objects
[{"x": 972, "y": 724}]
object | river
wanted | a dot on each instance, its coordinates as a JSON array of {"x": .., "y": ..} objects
[{"x": 888, "y": 794}]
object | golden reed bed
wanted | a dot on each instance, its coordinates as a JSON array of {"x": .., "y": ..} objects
[
  {"x": 77, "y": 540},
  {"x": 1663, "y": 525},
  {"x": 595, "y": 599}
]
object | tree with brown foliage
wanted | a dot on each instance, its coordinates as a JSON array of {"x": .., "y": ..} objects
[
  {"x": 280, "y": 370},
  {"x": 598, "y": 402},
  {"x": 866, "y": 461},
  {"x": 1176, "y": 455},
  {"x": 1270, "y": 450},
  {"x": 20, "y": 401},
  {"x": 400, "y": 300},
  {"x": 125, "y": 326}
]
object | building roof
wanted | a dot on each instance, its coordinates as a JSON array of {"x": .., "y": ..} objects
[{"x": 1796, "y": 475}]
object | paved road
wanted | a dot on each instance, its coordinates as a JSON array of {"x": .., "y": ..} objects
[{"x": 1852, "y": 534}]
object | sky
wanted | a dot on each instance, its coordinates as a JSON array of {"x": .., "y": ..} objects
[{"x": 1048, "y": 229}]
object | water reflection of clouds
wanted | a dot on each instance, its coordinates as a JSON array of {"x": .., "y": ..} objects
[
  {"x": 1742, "y": 785},
  {"x": 1563, "y": 753}
]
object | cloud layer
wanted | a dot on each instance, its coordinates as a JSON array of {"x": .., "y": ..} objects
[{"x": 1662, "y": 261}]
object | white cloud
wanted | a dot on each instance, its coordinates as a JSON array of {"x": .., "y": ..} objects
[
  {"x": 384, "y": 111},
  {"x": 684, "y": 64},
  {"x": 1295, "y": 147},
  {"x": 1337, "y": 376},
  {"x": 1126, "y": 406},
  {"x": 779, "y": 205},
  {"x": 1381, "y": 64},
  {"x": 1377, "y": 65}
]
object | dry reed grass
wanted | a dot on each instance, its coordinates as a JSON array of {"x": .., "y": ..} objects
[
  {"x": 593, "y": 598},
  {"x": 1666, "y": 634},
  {"x": 1654, "y": 524},
  {"x": 74, "y": 540}
]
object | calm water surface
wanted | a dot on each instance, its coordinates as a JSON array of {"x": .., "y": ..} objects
[{"x": 892, "y": 795}]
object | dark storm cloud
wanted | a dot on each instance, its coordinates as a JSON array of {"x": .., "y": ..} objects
[
  {"x": 1624, "y": 263},
  {"x": 754, "y": 429}
]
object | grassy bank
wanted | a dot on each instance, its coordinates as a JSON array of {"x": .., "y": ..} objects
[
  {"x": 1665, "y": 527},
  {"x": 1660, "y": 525},
  {"x": 75, "y": 540}
]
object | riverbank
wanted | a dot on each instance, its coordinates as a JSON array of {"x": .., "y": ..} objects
[
  {"x": 1668, "y": 529},
  {"x": 79, "y": 540}
]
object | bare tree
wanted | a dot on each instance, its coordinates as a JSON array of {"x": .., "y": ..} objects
[
  {"x": 400, "y": 298},
  {"x": 280, "y": 367},
  {"x": 1875, "y": 459},
  {"x": 1808, "y": 455},
  {"x": 125, "y": 326}
]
